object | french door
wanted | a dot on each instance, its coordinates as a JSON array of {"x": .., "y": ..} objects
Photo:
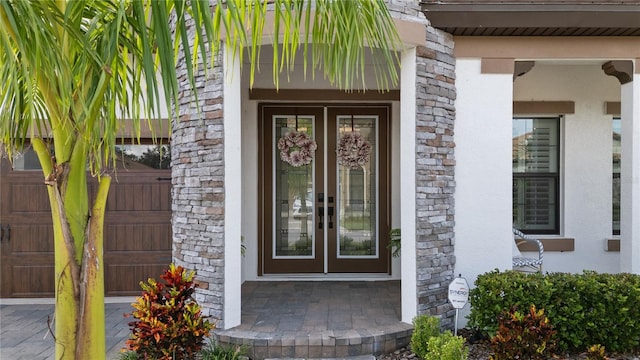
[{"x": 324, "y": 184}]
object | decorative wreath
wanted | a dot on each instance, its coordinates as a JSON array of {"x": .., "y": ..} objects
[
  {"x": 353, "y": 150},
  {"x": 296, "y": 148}
]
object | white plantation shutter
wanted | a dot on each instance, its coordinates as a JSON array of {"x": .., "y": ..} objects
[
  {"x": 615, "y": 191},
  {"x": 535, "y": 174}
]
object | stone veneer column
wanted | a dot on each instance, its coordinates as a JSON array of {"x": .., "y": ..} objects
[
  {"x": 435, "y": 165},
  {"x": 197, "y": 152}
]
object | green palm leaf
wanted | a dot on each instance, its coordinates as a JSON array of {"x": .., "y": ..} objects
[{"x": 73, "y": 73}]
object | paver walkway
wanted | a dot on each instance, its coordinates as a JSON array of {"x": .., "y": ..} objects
[
  {"x": 302, "y": 319},
  {"x": 319, "y": 319},
  {"x": 24, "y": 332}
]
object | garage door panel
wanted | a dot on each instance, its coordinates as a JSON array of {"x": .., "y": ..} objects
[
  {"x": 124, "y": 279},
  {"x": 139, "y": 196},
  {"x": 30, "y": 239},
  {"x": 28, "y": 198},
  {"x": 137, "y": 232},
  {"x": 26, "y": 250},
  {"x": 32, "y": 281},
  {"x": 138, "y": 237},
  {"x": 125, "y": 216}
]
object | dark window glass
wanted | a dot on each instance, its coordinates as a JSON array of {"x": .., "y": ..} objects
[
  {"x": 135, "y": 157},
  {"x": 535, "y": 157},
  {"x": 129, "y": 157},
  {"x": 26, "y": 160},
  {"x": 616, "y": 133}
]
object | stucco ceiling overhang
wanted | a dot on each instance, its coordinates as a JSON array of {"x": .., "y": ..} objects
[{"x": 534, "y": 17}]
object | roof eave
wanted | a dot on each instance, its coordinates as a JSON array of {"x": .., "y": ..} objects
[{"x": 472, "y": 18}]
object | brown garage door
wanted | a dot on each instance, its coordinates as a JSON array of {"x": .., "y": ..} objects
[
  {"x": 137, "y": 242},
  {"x": 26, "y": 244}
]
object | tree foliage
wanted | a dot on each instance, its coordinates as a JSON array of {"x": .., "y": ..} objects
[{"x": 72, "y": 73}]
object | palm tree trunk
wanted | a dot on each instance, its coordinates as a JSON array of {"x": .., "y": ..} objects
[
  {"x": 79, "y": 267},
  {"x": 91, "y": 323},
  {"x": 65, "y": 265}
]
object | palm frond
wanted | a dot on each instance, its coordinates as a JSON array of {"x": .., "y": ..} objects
[{"x": 78, "y": 69}]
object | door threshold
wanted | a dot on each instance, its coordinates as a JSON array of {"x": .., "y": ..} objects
[
  {"x": 326, "y": 277},
  {"x": 51, "y": 301}
]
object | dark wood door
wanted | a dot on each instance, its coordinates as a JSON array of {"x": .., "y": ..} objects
[
  {"x": 358, "y": 240},
  {"x": 137, "y": 237},
  {"x": 329, "y": 214},
  {"x": 291, "y": 237}
]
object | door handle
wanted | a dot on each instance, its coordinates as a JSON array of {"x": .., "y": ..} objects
[
  {"x": 330, "y": 213},
  {"x": 321, "y": 216},
  {"x": 5, "y": 233}
]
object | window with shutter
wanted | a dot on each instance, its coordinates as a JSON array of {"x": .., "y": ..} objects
[
  {"x": 535, "y": 159},
  {"x": 616, "y": 134}
]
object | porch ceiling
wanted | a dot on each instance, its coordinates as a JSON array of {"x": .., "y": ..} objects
[{"x": 534, "y": 18}]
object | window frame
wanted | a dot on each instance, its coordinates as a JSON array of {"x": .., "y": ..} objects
[{"x": 554, "y": 176}]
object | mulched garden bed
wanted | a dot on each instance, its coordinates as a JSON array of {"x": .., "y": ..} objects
[{"x": 479, "y": 350}]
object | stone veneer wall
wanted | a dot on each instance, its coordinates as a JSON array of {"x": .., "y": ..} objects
[
  {"x": 406, "y": 10},
  {"x": 435, "y": 165},
  {"x": 197, "y": 171}
]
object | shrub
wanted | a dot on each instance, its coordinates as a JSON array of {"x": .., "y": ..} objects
[
  {"x": 585, "y": 309},
  {"x": 446, "y": 346},
  {"x": 495, "y": 292},
  {"x": 218, "y": 352},
  {"x": 128, "y": 355},
  {"x": 596, "y": 352},
  {"x": 523, "y": 336},
  {"x": 395, "y": 242},
  {"x": 424, "y": 328},
  {"x": 169, "y": 324}
]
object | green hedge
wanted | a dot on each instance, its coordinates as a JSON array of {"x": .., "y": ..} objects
[{"x": 585, "y": 309}]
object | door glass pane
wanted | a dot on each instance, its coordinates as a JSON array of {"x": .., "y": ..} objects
[
  {"x": 293, "y": 189},
  {"x": 357, "y": 186}
]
